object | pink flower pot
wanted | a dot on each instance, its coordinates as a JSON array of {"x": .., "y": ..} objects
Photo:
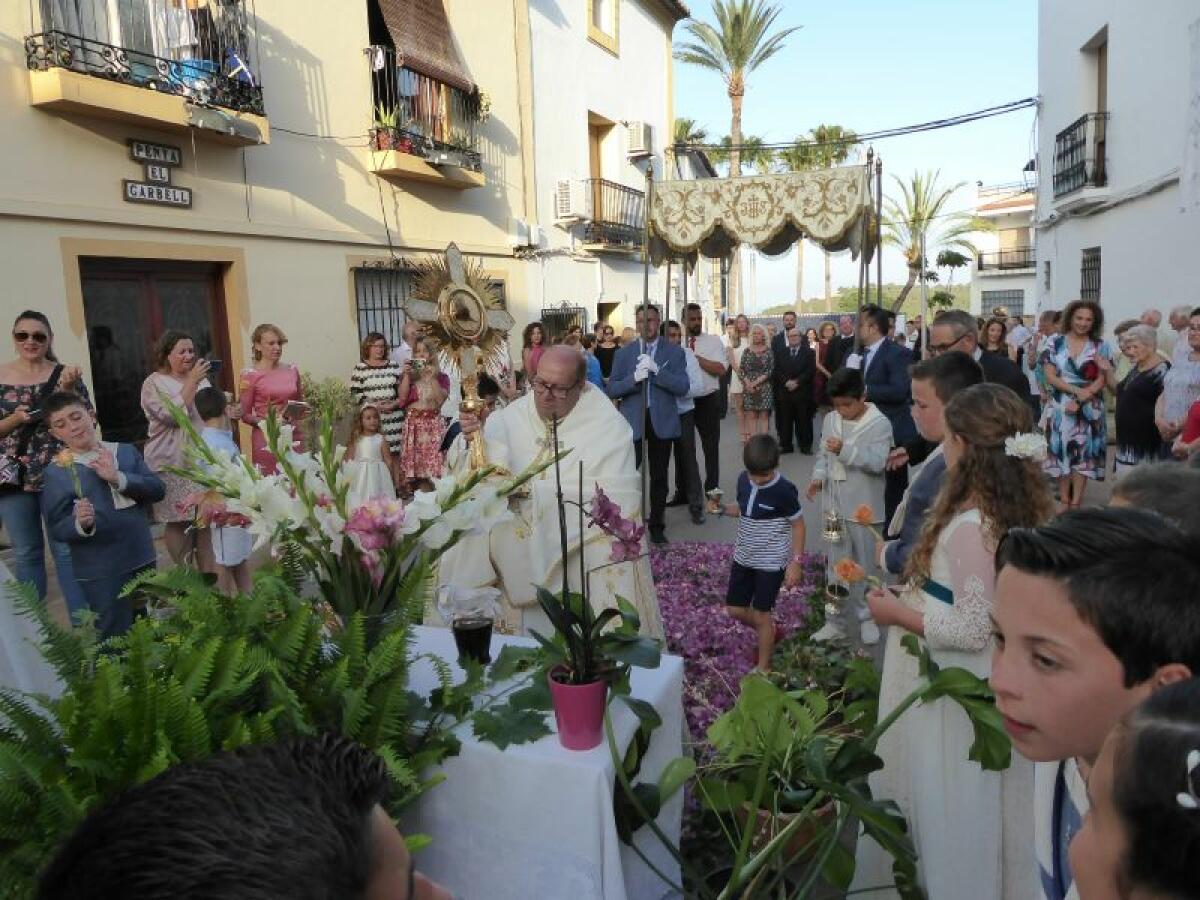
[{"x": 578, "y": 712}]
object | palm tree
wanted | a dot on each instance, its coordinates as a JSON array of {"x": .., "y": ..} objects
[
  {"x": 917, "y": 212},
  {"x": 798, "y": 158},
  {"x": 686, "y": 134},
  {"x": 740, "y": 43},
  {"x": 824, "y": 147}
]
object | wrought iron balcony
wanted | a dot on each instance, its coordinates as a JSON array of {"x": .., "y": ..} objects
[
  {"x": 618, "y": 213},
  {"x": 1007, "y": 260},
  {"x": 422, "y": 116},
  {"x": 1079, "y": 154},
  {"x": 202, "y": 54}
]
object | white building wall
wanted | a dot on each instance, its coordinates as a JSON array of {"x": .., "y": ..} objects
[
  {"x": 1148, "y": 243},
  {"x": 993, "y": 280},
  {"x": 573, "y": 76}
]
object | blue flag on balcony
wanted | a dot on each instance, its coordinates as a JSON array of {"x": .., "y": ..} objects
[{"x": 237, "y": 69}]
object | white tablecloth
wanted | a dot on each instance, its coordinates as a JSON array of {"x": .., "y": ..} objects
[{"x": 535, "y": 821}]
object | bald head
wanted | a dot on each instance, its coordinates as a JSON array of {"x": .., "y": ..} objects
[
  {"x": 1152, "y": 317},
  {"x": 561, "y": 375}
]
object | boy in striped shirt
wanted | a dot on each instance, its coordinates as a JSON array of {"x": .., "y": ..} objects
[{"x": 769, "y": 543}]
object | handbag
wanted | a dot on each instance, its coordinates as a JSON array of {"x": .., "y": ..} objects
[{"x": 12, "y": 468}]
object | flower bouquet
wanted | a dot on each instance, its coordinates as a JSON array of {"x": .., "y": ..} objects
[{"x": 377, "y": 559}]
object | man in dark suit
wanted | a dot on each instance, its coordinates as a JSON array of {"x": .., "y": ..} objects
[
  {"x": 651, "y": 366},
  {"x": 842, "y": 344},
  {"x": 778, "y": 349},
  {"x": 795, "y": 366},
  {"x": 779, "y": 342},
  {"x": 954, "y": 329},
  {"x": 884, "y": 365}
]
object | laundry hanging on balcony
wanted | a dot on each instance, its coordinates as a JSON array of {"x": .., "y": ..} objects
[
  {"x": 712, "y": 216},
  {"x": 421, "y": 33}
]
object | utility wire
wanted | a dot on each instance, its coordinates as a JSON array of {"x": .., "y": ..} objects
[{"x": 867, "y": 136}]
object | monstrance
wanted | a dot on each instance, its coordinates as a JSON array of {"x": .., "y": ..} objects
[{"x": 454, "y": 299}]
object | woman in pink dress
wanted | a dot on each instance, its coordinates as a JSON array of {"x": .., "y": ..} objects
[
  {"x": 268, "y": 383},
  {"x": 534, "y": 339}
]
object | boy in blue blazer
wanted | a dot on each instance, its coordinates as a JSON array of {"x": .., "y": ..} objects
[
  {"x": 96, "y": 498},
  {"x": 663, "y": 367}
]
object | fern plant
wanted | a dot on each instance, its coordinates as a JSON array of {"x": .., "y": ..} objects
[{"x": 213, "y": 674}]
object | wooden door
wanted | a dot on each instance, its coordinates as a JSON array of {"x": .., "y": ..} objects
[{"x": 128, "y": 305}]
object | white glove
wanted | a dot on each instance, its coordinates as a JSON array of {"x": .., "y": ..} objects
[
  {"x": 641, "y": 373},
  {"x": 648, "y": 363}
]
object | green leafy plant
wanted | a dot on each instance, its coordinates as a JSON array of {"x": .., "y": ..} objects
[
  {"x": 329, "y": 397},
  {"x": 385, "y": 116},
  {"x": 798, "y": 761},
  {"x": 207, "y": 673}
]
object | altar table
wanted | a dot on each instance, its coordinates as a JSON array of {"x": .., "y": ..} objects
[{"x": 535, "y": 821}]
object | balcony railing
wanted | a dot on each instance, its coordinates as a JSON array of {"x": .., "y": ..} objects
[
  {"x": 1079, "y": 151},
  {"x": 1003, "y": 260},
  {"x": 618, "y": 213},
  {"x": 203, "y": 54},
  {"x": 421, "y": 115}
]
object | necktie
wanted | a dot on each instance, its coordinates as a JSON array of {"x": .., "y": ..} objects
[
  {"x": 794, "y": 349},
  {"x": 692, "y": 344}
]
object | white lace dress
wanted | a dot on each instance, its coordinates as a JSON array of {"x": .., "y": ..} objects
[
  {"x": 370, "y": 477},
  {"x": 972, "y": 829}
]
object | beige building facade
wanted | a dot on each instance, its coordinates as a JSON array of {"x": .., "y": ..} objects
[{"x": 204, "y": 166}]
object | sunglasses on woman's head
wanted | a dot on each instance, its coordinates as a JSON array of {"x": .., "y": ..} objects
[{"x": 38, "y": 337}]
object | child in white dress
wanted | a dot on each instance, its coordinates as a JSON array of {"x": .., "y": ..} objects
[
  {"x": 370, "y": 460},
  {"x": 970, "y": 826},
  {"x": 225, "y": 549}
]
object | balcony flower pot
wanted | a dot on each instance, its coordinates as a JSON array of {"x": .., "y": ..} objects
[
  {"x": 578, "y": 710},
  {"x": 404, "y": 144},
  {"x": 381, "y": 139}
]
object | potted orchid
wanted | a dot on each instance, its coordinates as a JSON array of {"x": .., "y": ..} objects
[{"x": 590, "y": 653}]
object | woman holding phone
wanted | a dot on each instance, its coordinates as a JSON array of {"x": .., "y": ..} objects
[
  {"x": 179, "y": 376},
  {"x": 268, "y": 383}
]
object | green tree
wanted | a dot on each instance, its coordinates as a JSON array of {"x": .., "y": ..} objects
[
  {"x": 920, "y": 210},
  {"x": 743, "y": 39},
  {"x": 687, "y": 133},
  {"x": 823, "y": 147}
]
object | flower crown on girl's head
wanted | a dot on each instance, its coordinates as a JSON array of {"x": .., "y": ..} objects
[
  {"x": 1188, "y": 799},
  {"x": 1026, "y": 445}
]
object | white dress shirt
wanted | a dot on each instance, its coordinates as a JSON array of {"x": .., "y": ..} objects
[
  {"x": 869, "y": 355},
  {"x": 695, "y": 374},
  {"x": 707, "y": 346}
]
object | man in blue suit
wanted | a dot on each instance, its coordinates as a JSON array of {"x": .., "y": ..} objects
[
  {"x": 884, "y": 365},
  {"x": 96, "y": 498},
  {"x": 651, "y": 366}
]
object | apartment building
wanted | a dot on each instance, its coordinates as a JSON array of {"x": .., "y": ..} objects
[
  {"x": 1118, "y": 200},
  {"x": 1005, "y": 265}
]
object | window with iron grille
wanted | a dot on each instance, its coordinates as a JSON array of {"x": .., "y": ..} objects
[
  {"x": 558, "y": 320},
  {"x": 1013, "y": 301},
  {"x": 380, "y": 293},
  {"x": 1089, "y": 274}
]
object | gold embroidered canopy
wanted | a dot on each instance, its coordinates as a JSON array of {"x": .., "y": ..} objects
[{"x": 767, "y": 212}]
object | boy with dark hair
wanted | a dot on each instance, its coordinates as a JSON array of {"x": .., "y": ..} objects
[
  {"x": 1169, "y": 489},
  {"x": 1094, "y": 611},
  {"x": 224, "y": 549},
  {"x": 96, "y": 499},
  {"x": 855, "y": 441},
  {"x": 769, "y": 544},
  {"x": 934, "y": 382},
  {"x": 302, "y": 819}
]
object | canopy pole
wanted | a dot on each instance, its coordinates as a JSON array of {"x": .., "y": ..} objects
[
  {"x": 879, "y": 230},
  {"x": 645, "y": 446},
  {"x": 864, "y": 270},
  {"x": 924, "y": 293}
]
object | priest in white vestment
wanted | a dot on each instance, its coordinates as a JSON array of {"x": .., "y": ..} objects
[{"x": 526, "y": 551}]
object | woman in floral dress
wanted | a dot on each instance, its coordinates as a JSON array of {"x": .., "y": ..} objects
[
  {"x": 1073, "y": 420},
  {"x": 755, "y": 373}
]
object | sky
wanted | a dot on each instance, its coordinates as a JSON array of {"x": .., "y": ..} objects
[{"x": 878, "y": 64}]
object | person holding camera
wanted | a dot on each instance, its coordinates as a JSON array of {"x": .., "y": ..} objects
[
  {"x": 27, "y": 448},
  {"x": 179, "y": 376}
]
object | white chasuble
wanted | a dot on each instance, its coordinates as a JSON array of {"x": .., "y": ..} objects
[{"x": 526, "y": 551}]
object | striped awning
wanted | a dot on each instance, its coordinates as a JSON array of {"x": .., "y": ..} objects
[{"x": 424, "y": 43}]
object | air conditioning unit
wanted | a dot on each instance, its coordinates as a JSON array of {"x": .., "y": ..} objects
[
  {"x": 639, "y": 139},
  {"x": 518, "y": 235},
  {"x": 570, "y": 200}
]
